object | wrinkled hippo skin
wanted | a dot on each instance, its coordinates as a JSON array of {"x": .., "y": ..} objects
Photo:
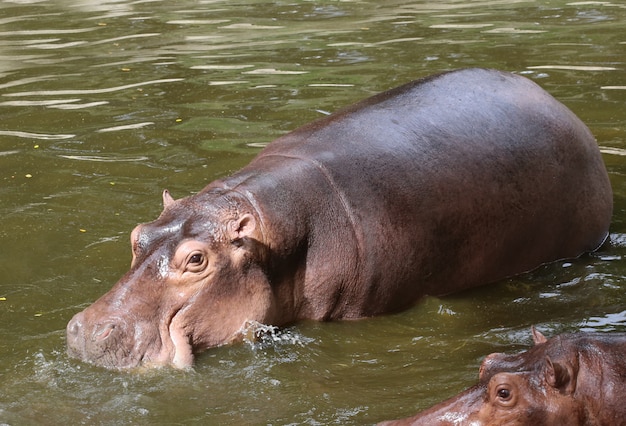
[
  {"x": 569, "y": 380},
  {"x": 443, "y": 184}
]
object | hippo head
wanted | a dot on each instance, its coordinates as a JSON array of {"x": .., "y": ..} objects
[
  {"x": 532, "y": 388},
  {"x": 194, "y": 281}
]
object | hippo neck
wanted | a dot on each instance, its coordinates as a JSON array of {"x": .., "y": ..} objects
[
  {"x": 335, "y": 192},
  {"x": 300, "y": 206}
]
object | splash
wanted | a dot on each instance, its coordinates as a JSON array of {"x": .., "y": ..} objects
[{"x": 260, "y": 336}]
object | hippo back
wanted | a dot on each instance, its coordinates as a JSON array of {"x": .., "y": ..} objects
[{"x": 447, "y": 182}]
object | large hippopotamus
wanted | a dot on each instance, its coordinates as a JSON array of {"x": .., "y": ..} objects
[
  {"x": 569, "y": 380},
  {"x": 442, "y": 184}
]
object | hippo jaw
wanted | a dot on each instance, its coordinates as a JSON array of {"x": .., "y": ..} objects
[
  {"x": 457, "y": 411},
  {"x": 103, "y": 346}
]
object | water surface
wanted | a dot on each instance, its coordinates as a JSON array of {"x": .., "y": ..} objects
[{"x": 105, "y": 103}]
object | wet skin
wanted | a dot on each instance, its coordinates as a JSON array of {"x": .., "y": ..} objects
[
  {"x": 446, "y": 183},
  {"x": 569, "y": 380}
]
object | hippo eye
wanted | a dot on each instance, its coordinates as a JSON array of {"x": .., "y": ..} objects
[
  {"x": 196, "y": 262},
  {"x": 504, "y": 394}
]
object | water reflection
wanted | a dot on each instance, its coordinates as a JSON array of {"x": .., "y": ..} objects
[{"x": 608, "y": 322}]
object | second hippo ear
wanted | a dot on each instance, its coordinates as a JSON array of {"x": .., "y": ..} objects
[
  {"x": 241, "y": 227},
  {"x": 168, "y": 200},
  {"x": 538, "y": 338},
  {"x": 561, "y": 376}
]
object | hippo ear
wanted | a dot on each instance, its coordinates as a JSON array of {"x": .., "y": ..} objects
[
  {"x": 538, "y": 338},
  {"x": 560, "y": 376},
  {"x": 168, "y": 200},
  {"x": 241, "y": 227}
]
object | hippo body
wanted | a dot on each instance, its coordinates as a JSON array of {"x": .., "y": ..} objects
[
  {"x": 442, "y": 184},
  {"x": 569, "y": 380}
]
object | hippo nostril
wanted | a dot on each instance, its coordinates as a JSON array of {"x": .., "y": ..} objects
[{"x": 104, "y": 332}]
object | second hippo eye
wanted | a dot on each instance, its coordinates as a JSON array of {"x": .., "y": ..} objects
[
  {"x": 504, "y": 394},
  {"x": 504, "y": 389}
]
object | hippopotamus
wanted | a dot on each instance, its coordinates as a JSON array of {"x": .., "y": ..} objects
[
  {"x": 569, "y": 380},
  {"x": 445, "y": 183}
]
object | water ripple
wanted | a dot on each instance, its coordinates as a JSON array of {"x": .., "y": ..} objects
[
  {"x": 246, "y": 26},
  {"x": 48, "y": 46},
  {"x": 197, "y": 21},
  {"x": 273, "y": 71},
  {"x": 39, "y": 103},
  {"x": 45, "y": 32},
  {"x": 612, "y": 150},
  {"x": 78, "y": 106},
  {"x": 104, "y": 159},
  {"x": 29, "y": 135},
  {"x": 571, "y": 68},
  {"x": 127, "y": 37},
  {"x": 37, "y": 79},
  {"x": 93, "y": 91},
  {"x": 126, "y": 127},
  {"x": 608, "y": 322}
]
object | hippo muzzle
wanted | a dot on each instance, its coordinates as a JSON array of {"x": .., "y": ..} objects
[
  {"x": 110, "y": 343},
  {"x": 114, "y": 343}
]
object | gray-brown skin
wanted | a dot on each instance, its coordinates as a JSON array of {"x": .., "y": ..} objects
[
  {"x": 443, "y": 184},
  {"x": 569, "y": 380}
]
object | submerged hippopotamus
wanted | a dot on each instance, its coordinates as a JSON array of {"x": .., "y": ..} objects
[
  {"x": 443, "y": 184},
  {"x": 569, "y": 380}
]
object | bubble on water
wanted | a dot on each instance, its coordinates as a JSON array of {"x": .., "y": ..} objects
[
  {"x": 143, "y": 411},
  {"x": 274, "y": 382},
  {"x": 50, "y": 370}
]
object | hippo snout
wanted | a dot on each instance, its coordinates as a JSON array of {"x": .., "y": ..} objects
[{"x": 93, "y": 342}]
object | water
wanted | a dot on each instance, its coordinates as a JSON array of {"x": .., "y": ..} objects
[{"x": 106, "y": 103}]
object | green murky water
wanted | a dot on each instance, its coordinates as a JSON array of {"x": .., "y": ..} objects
[{"x": 105, "y": 103}]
